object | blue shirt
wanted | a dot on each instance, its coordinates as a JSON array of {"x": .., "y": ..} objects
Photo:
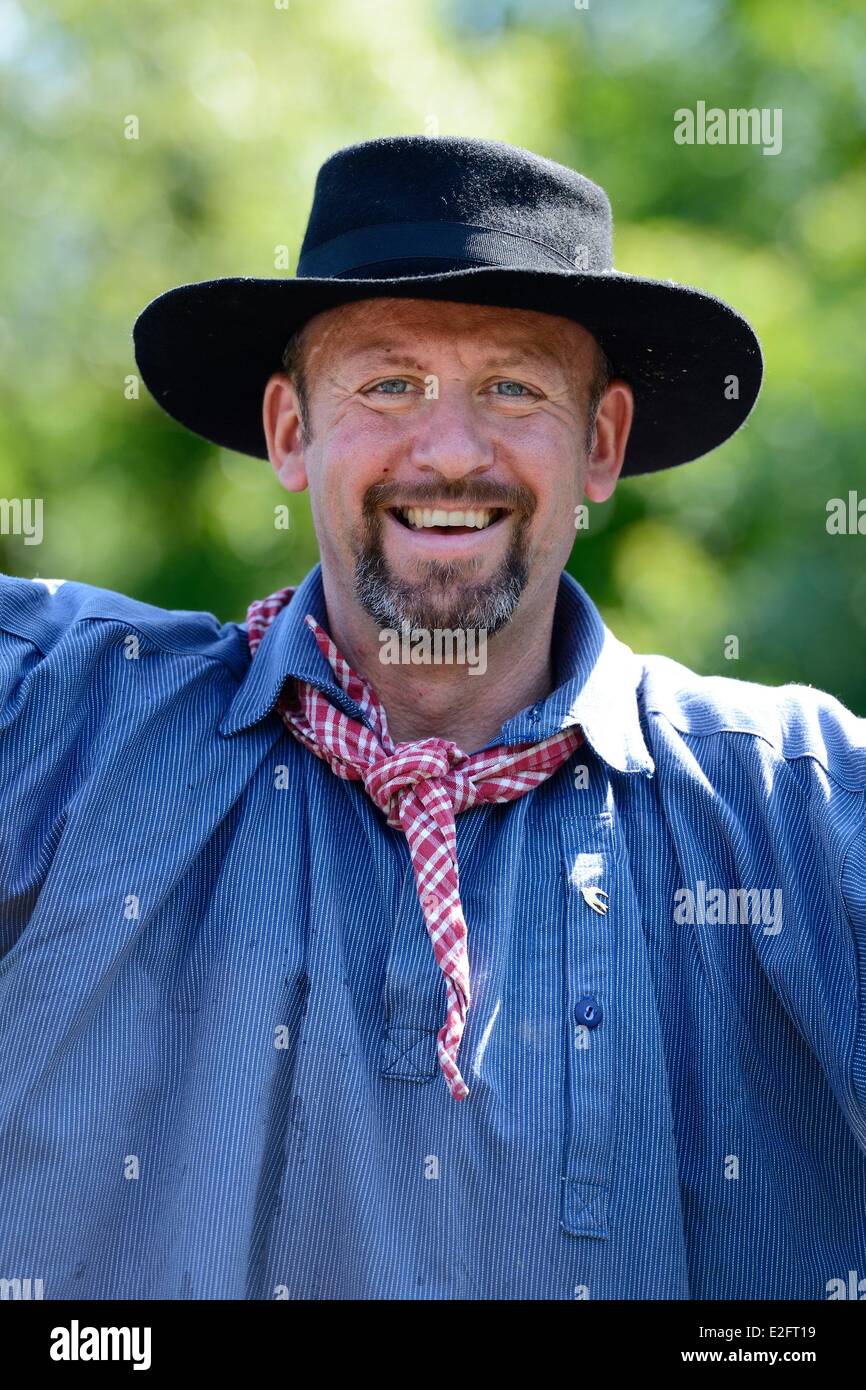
[{"x": 218, "y": 1002}]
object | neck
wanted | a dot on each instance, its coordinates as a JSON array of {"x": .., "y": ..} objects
[{"x": 466, "y": 702}]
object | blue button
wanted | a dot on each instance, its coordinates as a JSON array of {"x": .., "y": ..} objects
[{"x": 589, "y": 1012}]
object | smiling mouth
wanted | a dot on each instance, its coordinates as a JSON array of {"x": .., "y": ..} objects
[{"x": 440, "y": 521}]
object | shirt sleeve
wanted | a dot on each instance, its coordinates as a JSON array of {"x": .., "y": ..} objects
[
  {"x": 824, "y": 968},
  {"x": 853, "y": 889},
  {"x": 51, "y": 711}
]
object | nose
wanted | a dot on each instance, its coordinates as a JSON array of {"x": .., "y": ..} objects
[{"x": 451, "y": 439}]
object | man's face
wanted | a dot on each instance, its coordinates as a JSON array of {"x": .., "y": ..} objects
[{"x": 447, "y": 455}]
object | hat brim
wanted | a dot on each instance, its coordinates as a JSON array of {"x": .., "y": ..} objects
[{"x": 206, "y": 350}]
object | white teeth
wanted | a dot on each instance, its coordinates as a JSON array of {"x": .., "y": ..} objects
[{"x": 421, "y": 517}]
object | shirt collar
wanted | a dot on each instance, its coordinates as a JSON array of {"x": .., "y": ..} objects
[
  {"x": 596, "y": 678},
  {"x": 288, "y": 648}
]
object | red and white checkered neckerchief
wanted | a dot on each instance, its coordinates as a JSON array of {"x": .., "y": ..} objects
[{"x": 420, "y": 787}]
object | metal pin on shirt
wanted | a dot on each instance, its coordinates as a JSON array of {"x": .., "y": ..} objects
[{"x": 592, "y": 897}]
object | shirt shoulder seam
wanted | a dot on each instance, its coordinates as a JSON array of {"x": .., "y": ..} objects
[
  {"x": 783, "y": 754},
  {"x": 128, "y": 625}
]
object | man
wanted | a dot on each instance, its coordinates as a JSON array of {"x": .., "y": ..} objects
[{"x": 337, "y": 968}]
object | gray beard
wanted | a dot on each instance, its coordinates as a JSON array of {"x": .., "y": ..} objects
[{"x": 486, "y": 606}]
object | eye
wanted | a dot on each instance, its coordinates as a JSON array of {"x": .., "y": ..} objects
[
  {"x": 515, "y": 394},
  {"x": 387, "y": 387}
]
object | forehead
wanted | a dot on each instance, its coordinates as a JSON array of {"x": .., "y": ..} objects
[{"x": 397, "y": 328}]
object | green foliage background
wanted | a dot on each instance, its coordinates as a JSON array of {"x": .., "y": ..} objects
[{"x": 237, "y": 107}]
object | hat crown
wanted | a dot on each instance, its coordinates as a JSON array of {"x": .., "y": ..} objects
[{"x": 403, "y": 205}]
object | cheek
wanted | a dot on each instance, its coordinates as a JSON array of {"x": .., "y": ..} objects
[
  {"x": 555, "y": 482},
  {"x": 337, "y": 499},
  {"x": 361, "y": 452},
  {"x": 367, "y": 432},
  {"x": 551, "y": 475}
]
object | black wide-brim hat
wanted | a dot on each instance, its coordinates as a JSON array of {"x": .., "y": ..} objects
[{"x": 473, "y": 221}]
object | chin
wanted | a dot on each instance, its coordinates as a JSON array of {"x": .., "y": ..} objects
[{"x": 458, "y": 604}]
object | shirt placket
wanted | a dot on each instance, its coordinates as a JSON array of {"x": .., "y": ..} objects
[{"x": 593, "y": 912}]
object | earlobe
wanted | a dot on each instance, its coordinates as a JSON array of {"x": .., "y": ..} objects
[{"x": 282, "y": 426}]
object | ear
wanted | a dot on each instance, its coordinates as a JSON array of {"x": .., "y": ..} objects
[
  {"x": 282, "y": 423},
  {"x": 612, "y": 426}
]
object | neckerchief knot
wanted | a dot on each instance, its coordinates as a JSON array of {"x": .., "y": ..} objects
[{"x": 412, "y": 767}]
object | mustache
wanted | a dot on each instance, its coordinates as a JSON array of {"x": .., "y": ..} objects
[{"x": 478, "y": 493}]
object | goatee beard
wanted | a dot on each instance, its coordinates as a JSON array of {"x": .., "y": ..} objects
[{"x": 486, "y": 606}]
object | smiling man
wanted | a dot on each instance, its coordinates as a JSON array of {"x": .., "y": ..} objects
[{"x": 332, "y": 977}]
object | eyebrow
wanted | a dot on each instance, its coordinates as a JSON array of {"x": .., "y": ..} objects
[{"x": 400, "y": 355}]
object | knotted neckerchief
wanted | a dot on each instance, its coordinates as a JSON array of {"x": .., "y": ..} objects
[{"x": 420, "y": 787}]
